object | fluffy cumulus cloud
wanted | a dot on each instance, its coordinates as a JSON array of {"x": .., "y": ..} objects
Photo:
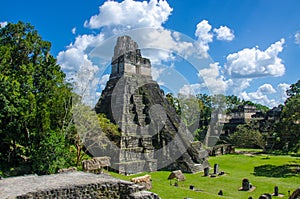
[
  {"x": 79, "y": 67},
  {"x": 214, "y": 82},
  {"x": 224, "y": 33},
  {"x": 258, "y": 97},
  {"x": 297, "y": 38},
  {"x": 78, "y": 60},
  {"x": 213, "y": 79},
  {"x": 131, "y": 14},
  {"x": 204, "y": 37},
  {"x": 266, "y": 89},
  {"x": 2, "y": 24},
  {"x": 256, "y": 63},
  {"x": 282, "y": 88},
  {"x": 203, "y": 31},
  {"x": 267, "y": 95},
  {"x": 190, "y": 89},
  {"x": 75, "y": 57},
  {"x": 237, "y": 86}
]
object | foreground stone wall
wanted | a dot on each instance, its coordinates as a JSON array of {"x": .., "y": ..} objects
[{"x": 72, "y": 185}]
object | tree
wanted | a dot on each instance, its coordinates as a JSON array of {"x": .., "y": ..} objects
[
  {"x": 174, "y": 102},
  {"x": 110, "y": 130},
  {"x": 289, "y": 126},
  {"x": 294, "y": 89},
  {"x": 245, "y": 136},
  {"x": 34, "y": 99},
  {"x": 205, "y": 106}
]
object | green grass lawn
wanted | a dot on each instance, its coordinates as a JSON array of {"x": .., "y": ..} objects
[{"x": 263, "y": 171}]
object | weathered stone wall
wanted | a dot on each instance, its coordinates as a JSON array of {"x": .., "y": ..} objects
[
  {"x": 72, "y": 185},
  {"x": 221, "y": 150}
]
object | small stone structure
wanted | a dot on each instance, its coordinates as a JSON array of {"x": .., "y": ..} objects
[
  {"x": 246, "y": 185},
  {"x": 177, "y": 175},
  {"x": 206, "y": 171},
  {"x": 216, "y": 168},
  {"x": 65, "y": 170},
  {"x": 276, "y": 191},
  {"x": 143, "y": 180},
  {"x": 220, "y": 193},
  {"x": 96, "y": 164},
  {"x": 72, "y": 185},
  {"x": 221, "y": 150}
]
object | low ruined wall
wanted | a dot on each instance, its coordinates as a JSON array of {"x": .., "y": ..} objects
[
  {"x": 72, "y": 185},
  {"x": 221, "y": 150}
]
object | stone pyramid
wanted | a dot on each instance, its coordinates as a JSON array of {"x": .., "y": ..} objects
[{"x": 152, "y": 135}]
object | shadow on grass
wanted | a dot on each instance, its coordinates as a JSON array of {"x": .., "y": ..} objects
[{"x": 281, "y": 171}]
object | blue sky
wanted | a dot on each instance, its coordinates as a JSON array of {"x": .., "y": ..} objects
[{"x": 249, "y": 48}]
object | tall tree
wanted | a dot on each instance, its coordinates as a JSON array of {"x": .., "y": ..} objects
[
  {"x": 246, "y": 136},
  {"x": 289, "y": 126},
  {"x": 34, "y": 100}
]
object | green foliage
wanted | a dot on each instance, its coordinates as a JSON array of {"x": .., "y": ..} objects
[
  {"x": 246, "y": 136},
  {"x": 51, "y": 154},
  {"x": 205, "y": 106},
  {"x": 289, "y": 126},
  {"x": 233, "y": 102},
  {"x": 174, "y": 102},
  {"x": 110, "y": 129},
  {"x": 294, "y": 89},
  {"x": 34, "y": 99}
]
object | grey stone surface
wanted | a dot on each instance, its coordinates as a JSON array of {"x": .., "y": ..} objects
[
  {"x": 152, "y": 134},
  {"x": 69, "y": 185},
  {"x": 144, "y": 194}
]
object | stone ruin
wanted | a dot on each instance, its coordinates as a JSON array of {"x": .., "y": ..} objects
[
  {"x": 152, "y": 134},
  {"x": 143, "y": 181},
  {"x": 96, "y": 164},
  {"x": 72, "y": 185}
]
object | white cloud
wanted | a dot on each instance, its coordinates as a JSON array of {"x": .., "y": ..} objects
[
  {"x": 156, "y": 72},
  {"x": 237, "y": 86},
  {"x": 190, "y": 89},
  {"x": 3, "y": 23},
  {"x": 73, "y": 30},
  {"x": 267, "y": 89},
  {"x": 297, "y": 38},
  {"x": 79, "y": 68},
  {"x": 103, "y": 81},
  {"x": 224, "y": 33},
  {"x": 204, "y": 36},
  {"x": 131, "y": 14},
  {"x": 212, "y": 78},
  {"x": 76, "y": 55},
  {"x": 203, "y": 31},
  {"x": 256, "y": 63},
  {"x": 282, "y": 88},
  {"x": 267, "y": 95},
  {"x": 143, "y": 21},
  {"x": 260, "y": 98}
]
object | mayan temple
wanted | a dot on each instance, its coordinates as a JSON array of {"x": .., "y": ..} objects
[{"x": 151, "y": 131}]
